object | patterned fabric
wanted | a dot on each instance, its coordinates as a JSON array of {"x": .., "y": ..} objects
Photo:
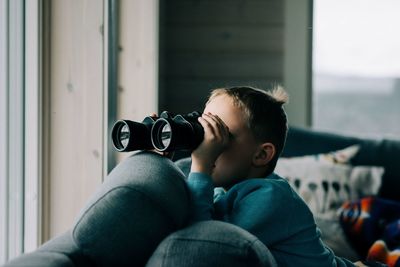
[
  {"x": 380, "y": 252},
  {"x": 373, "y": 226},
  {"x": 326, "y": 181}
]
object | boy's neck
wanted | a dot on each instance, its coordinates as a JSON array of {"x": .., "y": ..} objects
[{"x": 262, "y": 175}]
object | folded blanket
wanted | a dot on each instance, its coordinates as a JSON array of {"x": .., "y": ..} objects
[{"x": 372, "y": 225}]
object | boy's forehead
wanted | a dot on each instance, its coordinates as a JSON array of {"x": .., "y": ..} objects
[
  {"x": 219, "y": 103},
  {"x": 224, "y": 107}
]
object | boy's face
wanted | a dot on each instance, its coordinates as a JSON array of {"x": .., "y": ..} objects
[{"x": 235, "y": 162}]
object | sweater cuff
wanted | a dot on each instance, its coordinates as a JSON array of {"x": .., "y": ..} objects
[
  {"x": 200, "y": 177},
  {"x": 201, "y": 187}
]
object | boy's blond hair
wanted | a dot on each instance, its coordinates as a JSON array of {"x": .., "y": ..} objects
[{"x": 266, "y": 117}]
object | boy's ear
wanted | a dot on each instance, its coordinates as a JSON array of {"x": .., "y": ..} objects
[{"x": 264, "y": 154}]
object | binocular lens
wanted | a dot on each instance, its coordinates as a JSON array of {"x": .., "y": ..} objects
[
  {"x": 130, "y": 135},
  {"x": 166, "y": 135},
  {"x": 121, "y": 135},
  {"x": 124, "y": 135},
  {"x": 161, "y": 134}
]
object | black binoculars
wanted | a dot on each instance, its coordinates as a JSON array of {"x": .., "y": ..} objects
[{"x": 166, "y": 133}]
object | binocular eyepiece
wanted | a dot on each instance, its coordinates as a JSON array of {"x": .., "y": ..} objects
[{"x": 166, "y": 133}]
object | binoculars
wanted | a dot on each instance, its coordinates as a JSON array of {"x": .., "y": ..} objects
[{"x": 166, "y": 133}]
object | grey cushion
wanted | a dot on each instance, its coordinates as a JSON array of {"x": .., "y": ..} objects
[
  {"x": 59, "y": 251},
  {"x": 64, "y": 244},
  {"x": 144, "y": 199},
  {"x": 184, "y": 165},
  {"x": 41, "y": 258},
  {"x": 211, "y": 243}
]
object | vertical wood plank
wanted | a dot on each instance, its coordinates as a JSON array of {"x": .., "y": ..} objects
[
  {"x": 138, "y": 60},
  {"x": 76, "y": 109}
]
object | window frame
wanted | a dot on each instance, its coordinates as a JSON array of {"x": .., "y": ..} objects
[
  {"x": 33, "y": 122},
  {"x": 3, "y": 130},
  {"x": 20, "y": 153},
  {"x": 297, "y": 65}
]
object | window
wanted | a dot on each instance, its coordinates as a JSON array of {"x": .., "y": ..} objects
[
  {"x": 19, "y": 127},
  {"x": 3, "y": 133},
  {"x": 356, "y": 67},
  {"x": 11, "y": 128}
]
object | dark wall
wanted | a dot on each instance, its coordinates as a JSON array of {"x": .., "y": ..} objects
[{"x": 206, "y": 44}]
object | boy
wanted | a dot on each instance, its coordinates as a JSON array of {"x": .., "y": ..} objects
[{"x": 244, "y": 134}]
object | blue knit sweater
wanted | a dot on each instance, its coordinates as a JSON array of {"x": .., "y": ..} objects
[{"x": 269, "y": 209}]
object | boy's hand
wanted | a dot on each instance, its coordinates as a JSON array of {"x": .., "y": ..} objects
[
  {"x": 216, "y": 138},
  {"x": 360, "y": 264}
]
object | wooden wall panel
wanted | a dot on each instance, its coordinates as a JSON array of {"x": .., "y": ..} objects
[
  {"x": 192, "y": 94},
  {"x": 223, "y": 12},
  {"x": 225, "y": 39},
  {"x": 224, "y": 65},
  {"x": 208, "y": 44},
  {"x": 75, "y": 112},
  {"x": 138, "y": 61},
  {"x": 74, "y": 96}
]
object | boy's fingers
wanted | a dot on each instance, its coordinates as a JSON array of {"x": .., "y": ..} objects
[
  {"x": 206, "y": 126},
  {"x": 360, "y": 264},
  {"x": 214, "y": 120},
  {"x": 215, "y": 124},
  {"x": 222, "y": 124},
  {"x": 219, "y": 124},
  {"x": 211, "y": 120}
]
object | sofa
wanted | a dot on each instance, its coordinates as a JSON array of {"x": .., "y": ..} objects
[{"x": 139, "y": 215}]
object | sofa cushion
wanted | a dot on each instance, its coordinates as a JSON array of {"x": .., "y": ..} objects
[
  {"x": 301, "y": 142},
  {"x": 41, "y": 258},
  {"x": 59, "y": 251},
  {"x": 142, "y": 201},
  {"x": 384, "y": 153},
  {"x": 334, "y": 237},
  {"x": 184, "y": 165},
  {"x": 389, "y": 156},
  {"x": 211, "y": 243},
  {"x": 64, "y": 244},
  {"x": 325, "y": 184}
]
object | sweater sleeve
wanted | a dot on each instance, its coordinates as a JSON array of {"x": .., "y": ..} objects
[
  {"x": 202, "y": 191},
  {"x": 283, "y": 224}
]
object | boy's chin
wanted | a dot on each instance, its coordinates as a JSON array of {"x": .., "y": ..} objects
[
  {"x": 216, "y": 178},
  {"x": 219, "y": 180}
]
